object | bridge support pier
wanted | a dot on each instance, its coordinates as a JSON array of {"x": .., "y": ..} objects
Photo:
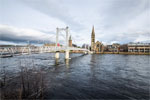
[
  {"x": 57, "y": 55},
  {"x": 67, "y": 54}
]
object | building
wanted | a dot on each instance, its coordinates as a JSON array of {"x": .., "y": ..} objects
[
  {"x": 112, "y": 48},
  {"x": 123, "y": 48},
  {"x": 115, "y": 47},
  {"x": 97, "y": 47},
  {"x": 108, "y": 48},
  {"x": 92, "y": 39},
  {"x": 50, "y": 44},
  {"x": 86, "y": 46},
  {"x": 70, "y": 41},
  {"x": 139, "y": 47}
]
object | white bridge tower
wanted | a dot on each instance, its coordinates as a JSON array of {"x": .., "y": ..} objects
[{"x": 57, "y": 42}]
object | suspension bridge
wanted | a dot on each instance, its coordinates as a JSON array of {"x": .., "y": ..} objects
[{"x": 14, "y": 50}]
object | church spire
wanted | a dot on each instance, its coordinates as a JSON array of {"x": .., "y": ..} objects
[
  {"x": 70, "y": 38},
  {"x": 93, "y": 32},
  {"x": 92, "y": 39}
]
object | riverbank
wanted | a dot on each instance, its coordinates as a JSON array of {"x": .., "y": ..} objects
[
  {"x": 126, "y": 53},
  {"x": 81, "y": 52}
]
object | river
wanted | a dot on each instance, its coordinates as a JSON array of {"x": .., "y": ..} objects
[{"x": 96, "y": 76}]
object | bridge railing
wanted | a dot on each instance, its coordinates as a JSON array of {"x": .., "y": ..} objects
[{"x": 37, "y": 49}]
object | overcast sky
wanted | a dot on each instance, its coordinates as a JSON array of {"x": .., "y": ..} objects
[{"x": 119, "y": 21}]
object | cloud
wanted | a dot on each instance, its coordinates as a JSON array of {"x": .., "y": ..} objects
[
  {"x": 17, "y": 35},
  {"x": 114, "y": 20},
  {"x": 14, "y": 34},
  {"x": 53, "y": 8},
  {"x": 125, "y": 21}
]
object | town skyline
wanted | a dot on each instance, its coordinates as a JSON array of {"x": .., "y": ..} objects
[
  {"x": 42, "y": 42},
  {"x": 27, "y": 20}
]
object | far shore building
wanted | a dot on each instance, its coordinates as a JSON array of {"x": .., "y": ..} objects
[
  {"x": 92, "y": 39},
  {"x": 139, "y": 47},
  {"x": 123, "y": 48},
  {"x": 70, "y": 41},
  {"x": 115, "y": 47},
  {"x": 112, "y": 48},
  {"x": 97, "y": 47},
  {"x": 86, "y": 46},
  {"x": 50, "y": 44}
]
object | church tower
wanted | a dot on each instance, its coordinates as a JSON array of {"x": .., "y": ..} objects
[
  {"x": 70, "y": 41},
  {"x": 92, "y": 39}
]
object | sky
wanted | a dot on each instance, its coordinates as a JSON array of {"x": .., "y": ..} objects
[{"x": 35, "y": 21}]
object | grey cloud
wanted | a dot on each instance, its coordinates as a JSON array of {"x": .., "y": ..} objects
[
  {"x": 114, "y": 20},
  {"x": 54, "y": 8},
  {"x": 120, "y": 12},
  {"x": 11, "y": 35},
  {"x": 17, "y": 35},
  {"x": 125, "y": 37}
]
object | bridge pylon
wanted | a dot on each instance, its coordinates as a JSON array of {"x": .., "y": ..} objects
[
  {"x": 57, "y": 55},
  {"x": 67, "y": 54},
  {"x": 67, "y": 44}
]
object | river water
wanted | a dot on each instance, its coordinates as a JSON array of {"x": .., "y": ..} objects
[{"x": 97, "y": 76}]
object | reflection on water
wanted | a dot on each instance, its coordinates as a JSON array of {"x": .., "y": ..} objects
[
  {"x": 94, "y": 76},
  {"x": 56, "y": 61},
  {"x": 67, "y": 63}
]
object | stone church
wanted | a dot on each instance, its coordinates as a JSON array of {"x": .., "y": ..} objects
[{"x": 96, "y": 47}]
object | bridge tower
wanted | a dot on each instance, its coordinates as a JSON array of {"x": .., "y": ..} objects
[
  {"x": 57, "y": 52},
  {"x": 67, "y": 44},
  {"x": 67, "y": 40}
]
